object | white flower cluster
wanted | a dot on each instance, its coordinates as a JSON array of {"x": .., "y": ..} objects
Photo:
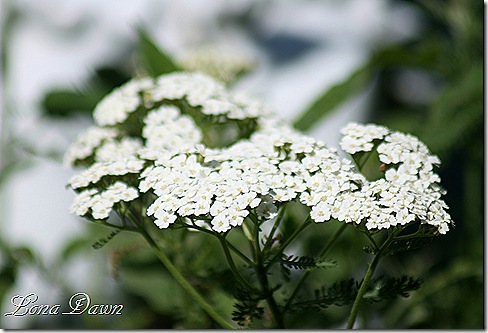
[
  {"x": 99, "y": 204},
  {"x": 223, "y": 65},
  {"x": 164, "y": 160},
  {"x": 166, "y": 128},
  {"x": 200, "y": 91},
  {"x": 147, "y": 118},
  {"x": 116, "y": 150},
  {"x": 223, "y": 186},
  {"x": 409, "y": 190},
  {"x": 98, "y": 170},
  {"x": 162, "y": 111},
  {"x": 115, "y": 107},
  {"x": 359, "y": 138},
  {"x": 86, "y": 144}
]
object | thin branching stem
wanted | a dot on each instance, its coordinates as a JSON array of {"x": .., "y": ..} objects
[
  {"x": 179, "y": 277},
  {"x": 307, "y": 273},
  {"x": 362, "y": 290},
  {"x": 297, "y": 232},
  {"x": 232, "y": 266},
  {"x": 367, "y": 278},
  {"x": 262, "y": 276},
  {"x": 231, "y": 247},
  {"x": 269, "y": 240},
  {"x": 373, "y": 242}
]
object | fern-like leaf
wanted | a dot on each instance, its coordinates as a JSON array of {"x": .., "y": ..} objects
[
  {"x": 402, "y": 245},
  {"x": 340, "y": 293},
  {"x": 246, "y": 312},
  {"x": 306, "y": 262},
  {"x": 385, "y": 287}
]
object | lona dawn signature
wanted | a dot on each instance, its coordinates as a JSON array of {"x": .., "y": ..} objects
[{"x": 78, "y": 304}]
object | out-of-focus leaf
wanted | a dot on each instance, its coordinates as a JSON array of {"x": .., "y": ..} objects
[
  {"x": 65, "y": 102},
  {"x": 12, "y": 166},
  {"x": 160, "y": 290},
  {"x": 154, "y": 59},
  {"x": 7, "y": 280},
  {"x": 62, "y": 103},
  {"x": 397, "y": 55},
  {"x": 411, "y": 54},
  {"x": 75, "y": 246},
  {"x": 407, "y": 245},
  {"x": 457, "y": 113},
  {"x": 465, "y": 91},
  {"x": 23, "y": 255},
  {"x": 332, "y": 98}
]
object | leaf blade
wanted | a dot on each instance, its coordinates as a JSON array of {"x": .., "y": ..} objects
[{"x": 153, "y": 58}]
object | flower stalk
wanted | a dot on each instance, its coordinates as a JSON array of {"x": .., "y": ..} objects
[{"x": 182, "y": 280}]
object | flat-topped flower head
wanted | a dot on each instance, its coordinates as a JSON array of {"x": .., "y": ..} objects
[
  {"x": 98, "y": 204},
  {"x": 409, "y": 191},
  {"x": 189, "y": 150},
  {"x": 254, "y": 176},
  {"x": 86, "y": 144}
]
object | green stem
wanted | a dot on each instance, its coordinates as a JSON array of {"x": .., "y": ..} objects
[
  {"x": 321, "y": 253},
  {"x": 278, "y": 220},
  {"x": 240, "y": 254},
  {"x": 371, "y": 239},
  {"x": 181, "y": 279},
  {"x": 369, "y": 273},
  {"x": 231, "y": 263},
  {"x": 262, "y": 276},
  {"x": 362, "y": 290},
  {"x": 297, "y": 232},
  {"x": 231, "y": 247}
]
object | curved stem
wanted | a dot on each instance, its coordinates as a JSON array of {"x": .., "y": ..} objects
[
  {"x": 180, "y": 278},
  {"x": 307, "y": 273}
]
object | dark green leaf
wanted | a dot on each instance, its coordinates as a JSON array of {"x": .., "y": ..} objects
[
  {"x": 458, "y": 108},
  {"x": 384, "y": 287},
  {"x": 402, "y": 245},
  {"x": 306, "y": 262},
  {"x": 414, "y": 54},
  {"x": 62, "y": 103},
  {"x": 154, "y": 59},
  {"x": 8, "y": 275},
  {"x": 340, "y": 293}
]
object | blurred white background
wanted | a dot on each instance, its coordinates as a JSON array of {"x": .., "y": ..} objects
[{"x": 302, "y": 47}]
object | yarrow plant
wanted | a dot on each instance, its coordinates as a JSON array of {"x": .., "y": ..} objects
[{"x": 182, "y": 152}]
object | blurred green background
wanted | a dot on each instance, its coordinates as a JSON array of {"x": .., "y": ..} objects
[{"x": 430, "y": 85}]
